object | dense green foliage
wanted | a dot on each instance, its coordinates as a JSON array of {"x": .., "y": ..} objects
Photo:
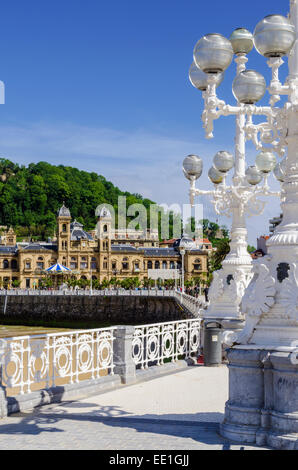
[{"x": 31, "y": 196}]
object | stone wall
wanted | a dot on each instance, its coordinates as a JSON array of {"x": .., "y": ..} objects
[{"x": 113, "y": 310}]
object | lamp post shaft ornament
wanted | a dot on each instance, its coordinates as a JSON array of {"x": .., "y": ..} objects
[
  {"x": 241, "y": 198},
  {"x": 263, "y": 357}
]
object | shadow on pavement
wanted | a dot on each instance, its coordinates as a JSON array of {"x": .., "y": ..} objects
[{"x": 200, "y": 427}]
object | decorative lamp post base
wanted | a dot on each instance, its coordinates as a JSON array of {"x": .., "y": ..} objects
[
  {"x": 225, "y": 295},
  {"x": 263, "y": 402}
]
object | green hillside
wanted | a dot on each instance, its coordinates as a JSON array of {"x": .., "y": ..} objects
[{"x": 30, "y": 196}]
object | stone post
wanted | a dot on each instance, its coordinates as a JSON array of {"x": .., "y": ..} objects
[
  {"x": 3, "y": 402},
  {"x": 124, "y": 364},
  {"x": 3, "y": 398},
  {"x": 246, "y": 395},
  {"x": 282, "y": 432}
]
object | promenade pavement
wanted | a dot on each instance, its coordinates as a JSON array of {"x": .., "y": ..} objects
[{"x": 181, "y": 411}]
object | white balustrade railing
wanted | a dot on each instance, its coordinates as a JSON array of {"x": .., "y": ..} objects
[
  {"x": 164, "y": 342},
  {"x": 31, "y": 363},
  {"x": 88, "y": 292},
  {"x": 192, "y": 304}
]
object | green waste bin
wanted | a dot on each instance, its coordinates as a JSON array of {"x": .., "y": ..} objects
[{"x": 212, "y": 344}]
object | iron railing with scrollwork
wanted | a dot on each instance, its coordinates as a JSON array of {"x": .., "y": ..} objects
[
  {"x": 43, "y": 362},
  {"x": 31, "y": 363},
  {"x": 163, "y": 342}
]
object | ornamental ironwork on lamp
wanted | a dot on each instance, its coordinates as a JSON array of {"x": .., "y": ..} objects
[{"x": 273, "y": 37}]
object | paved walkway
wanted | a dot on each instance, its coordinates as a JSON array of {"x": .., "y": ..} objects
[{"x": 175, "y": 412}]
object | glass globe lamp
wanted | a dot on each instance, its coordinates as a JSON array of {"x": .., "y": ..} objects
[
  {"x": 193, "y": 166},
  {"x": 249, "y": 87},
  {"x": 253, "y": 175},
  {"x": 279, "y": 173},
  {"x": 274, "y": 36},
  {"x": 199, "y": 79},
  {"x": 265, "y": 162},
  {"x": 242, "y": 41},
  {"x": 213, "y": 53},
  {"x": 223, "y": 161},
  {"x": 215, "y": 175}
]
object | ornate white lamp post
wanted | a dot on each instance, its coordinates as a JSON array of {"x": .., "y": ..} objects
[
  {"x": 263, "y": 362},
  {"x": 212, "y": 55},
  {"x": 182, "y": 252}
]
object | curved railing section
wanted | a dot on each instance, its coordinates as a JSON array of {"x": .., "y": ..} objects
[{"x": 158, "y": 343}]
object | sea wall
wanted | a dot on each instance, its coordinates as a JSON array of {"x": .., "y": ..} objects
[{"x": 110, "y": 309}]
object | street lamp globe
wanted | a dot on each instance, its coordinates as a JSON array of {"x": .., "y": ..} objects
[
  {"x": 242, "y": 41},
  {"x": 215, "y": 175},
  {"x": 274, "y": 36},
  {"x": 249, "y": 87},
  {"x": 192, "y": 166},
  {"x": 265, "y": 161},
  {"x": 279, "y": 173},
  {"x": 223, "y": 161},
  {"x": 213, "y": 53},
  {"x": 253, "y": 175},
  {"x": 199, "y": 79}
]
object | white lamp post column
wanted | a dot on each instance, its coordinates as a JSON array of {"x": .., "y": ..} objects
[
  {"x": 263, "y": 359},
  {"x": 182, "y": 252},
  {"x": 263, "y": 391},
  {"x": 240, "y": 199}
]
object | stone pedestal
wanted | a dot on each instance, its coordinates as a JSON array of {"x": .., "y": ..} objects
[
  {"x": 263, "y": 401},
  {"x": 124, "y": 365}
]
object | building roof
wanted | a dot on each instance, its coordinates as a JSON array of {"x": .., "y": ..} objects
[
  {"x": 64, "y": 212},
  {"x": 161, "y": 252},
  {"x": 184, "y": 242},
  {"x": 125, "y": 248},
  {"x": 77, "y": 233},
  {"x": 103, "y": 212},
  {"x": 9, "y": 249},
  {"x": 168, "y": 242},
  {"x": 39, "y": 247}
]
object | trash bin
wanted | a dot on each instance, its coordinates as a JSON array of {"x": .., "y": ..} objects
[{"x": 212, "y": 344}]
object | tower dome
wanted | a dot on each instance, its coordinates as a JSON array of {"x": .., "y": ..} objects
[
  {"x": 185, "y": 242},
  {"x": 64, "y": 212},
  {"x": 103, "y": 212}
]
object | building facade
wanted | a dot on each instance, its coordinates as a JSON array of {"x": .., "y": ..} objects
[{"x": 102, "y": 254}]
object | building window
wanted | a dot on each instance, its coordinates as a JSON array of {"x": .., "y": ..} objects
[
  {"x": 172, "y": 264},
  {"x": 28, "y": 265},
  {"x": 164, "y": 265},
  {"x": 157, "y": 265},
  {"x": 105, "y": 265},
  {"x": 197, "y": 265},
  {"x": 149, "y": 265},
  {"x": 114, "y": 265},
  {"x": 5, "y": 264},
  {"x": 14, "y": 264},
  {"x": 27, "y": 283},
  {"x": 64, "y": 228}
]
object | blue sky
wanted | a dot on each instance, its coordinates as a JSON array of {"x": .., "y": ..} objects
[{"x": 104, "y": 86}]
